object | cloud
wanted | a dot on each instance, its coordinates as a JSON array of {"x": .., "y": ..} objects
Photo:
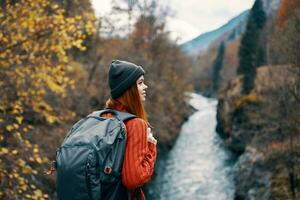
[
  {"x": 181, "y": 30},
  {"x": 192, "y": 17}
]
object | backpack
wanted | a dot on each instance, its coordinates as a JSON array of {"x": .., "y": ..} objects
[{"x": 89, "y": 161}]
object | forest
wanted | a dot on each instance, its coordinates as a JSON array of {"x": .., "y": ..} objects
[{"x": 54, "y": 59}]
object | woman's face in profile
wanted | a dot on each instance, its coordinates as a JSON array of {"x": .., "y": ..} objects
[{"x": 141, "y": 88}]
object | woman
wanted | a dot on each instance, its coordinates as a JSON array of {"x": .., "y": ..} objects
[{"x": 128, "y": 92}]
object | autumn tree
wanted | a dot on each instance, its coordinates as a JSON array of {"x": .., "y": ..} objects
[
  {"x": 286, "y": 11},
  {"x": 251, "y": 52},
  {"x": 286, "y": 40},
  {"x": 35, "y": 36}
]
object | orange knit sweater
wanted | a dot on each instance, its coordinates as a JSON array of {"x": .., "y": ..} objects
[{"x": 140, "y": 155}]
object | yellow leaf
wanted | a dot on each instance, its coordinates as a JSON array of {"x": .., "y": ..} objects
[
  {"x": 19, "y": 119},
  {"x": 9, "y": 127},
  {"x": 14, "y": 152},
  {"x": 16, "y": 175},
  {"x": 16, "y": 126},
  {"x": 77, "y": 17},
  {"x": 28, "y": 144},
  {"x": 39, "y": 160},
  {"x": 35, "y": 150},
  {"x": 3, "y": 150},
  {"x": 23, "y": 187},
  {"x": 21, "y": 162},
  {"x": 32, "y": 186},
  {"x": 54, "y": 6},
  {"x": 45, "y": 159},
  {"x": 53, "y": 86},
  {"x": 38, "y": 193}
]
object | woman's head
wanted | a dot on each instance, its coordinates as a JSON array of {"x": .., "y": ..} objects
[
  {"x": 121, "y": 76},
  {"x": 126, "y": 82}
]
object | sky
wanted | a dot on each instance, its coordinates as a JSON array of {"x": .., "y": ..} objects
[{"x": 190, "y": 18}]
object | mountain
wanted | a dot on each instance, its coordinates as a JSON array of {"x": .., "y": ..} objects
[{"x": 232, "y": 29}]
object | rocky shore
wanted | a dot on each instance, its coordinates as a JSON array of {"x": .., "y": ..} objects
[{"x": 258, "y": 127}]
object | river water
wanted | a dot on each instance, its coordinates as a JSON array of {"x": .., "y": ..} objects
[{"x": 198, "y": 166}]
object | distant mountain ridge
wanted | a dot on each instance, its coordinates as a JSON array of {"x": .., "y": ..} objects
[{"x": 233, "y": 28}]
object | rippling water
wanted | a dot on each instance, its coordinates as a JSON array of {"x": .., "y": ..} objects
[{"x": 198, "y": 166}]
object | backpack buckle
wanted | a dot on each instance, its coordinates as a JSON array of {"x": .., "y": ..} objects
[{"x": 107, "y": 170}]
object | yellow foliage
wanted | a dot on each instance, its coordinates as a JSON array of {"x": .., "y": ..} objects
[
  {"x": 245, "y": 100},
  {"x": 35, "y": 38}
]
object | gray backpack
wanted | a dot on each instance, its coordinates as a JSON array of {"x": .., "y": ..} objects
[{"x": 89, "y": 161}]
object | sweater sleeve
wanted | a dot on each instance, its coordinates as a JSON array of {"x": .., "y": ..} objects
[{"x": 140, "y": 155}]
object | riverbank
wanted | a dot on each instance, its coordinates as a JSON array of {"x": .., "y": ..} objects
[{"x": 262, "y": 129}]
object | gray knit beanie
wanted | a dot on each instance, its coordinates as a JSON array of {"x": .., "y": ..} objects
[{"x": 122, "y": 75}]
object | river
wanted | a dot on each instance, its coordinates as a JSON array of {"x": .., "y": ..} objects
[{"x": 198, "y": 167}]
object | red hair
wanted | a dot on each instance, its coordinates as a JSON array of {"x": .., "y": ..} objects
[{"x": 131, "y": 100}]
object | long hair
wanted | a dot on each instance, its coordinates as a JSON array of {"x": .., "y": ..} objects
[{"x": 131, "y": 100}]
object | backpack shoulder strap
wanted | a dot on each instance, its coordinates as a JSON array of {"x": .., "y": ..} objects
[{"x": 122, "y": 116}]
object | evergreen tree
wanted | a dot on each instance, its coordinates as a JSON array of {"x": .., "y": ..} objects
[
  {"x": 251, "y": 52},
  {"x": 217, "y": 66}
]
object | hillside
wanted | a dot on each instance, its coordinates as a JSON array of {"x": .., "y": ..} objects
[
  {"x": 261, "y": 123},
  {"x": 258, "y": 127}
]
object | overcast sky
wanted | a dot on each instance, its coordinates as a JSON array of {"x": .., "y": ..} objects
[{"x": 192, "y": 17}]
